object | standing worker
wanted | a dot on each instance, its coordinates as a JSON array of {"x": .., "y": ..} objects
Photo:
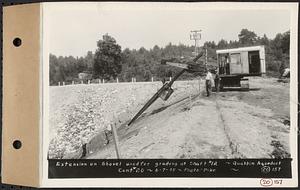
[
  {"x": 208, "y": 82},
  {"x": 217, "y": 80}
]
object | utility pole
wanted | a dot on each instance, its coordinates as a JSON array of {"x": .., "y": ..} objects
[
  {"x": 205, "y": 57},
  {"x": 196, "y": 36}
]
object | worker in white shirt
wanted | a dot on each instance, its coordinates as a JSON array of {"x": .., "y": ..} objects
[{"x": 208, "y": 82}]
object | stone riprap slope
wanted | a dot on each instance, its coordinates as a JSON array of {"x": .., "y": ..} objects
[{"x": 79, "y": 112}]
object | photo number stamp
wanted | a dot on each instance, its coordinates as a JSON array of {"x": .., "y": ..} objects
[{"x": 268, "y": 182}]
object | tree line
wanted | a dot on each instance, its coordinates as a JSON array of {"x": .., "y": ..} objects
[{"x": 109, "y": 61}]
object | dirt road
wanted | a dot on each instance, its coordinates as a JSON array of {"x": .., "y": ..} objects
[{"x": 230, "y": 124}]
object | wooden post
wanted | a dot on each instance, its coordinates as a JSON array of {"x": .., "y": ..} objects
[
  {"x": 117, "y": 80},
  {"x": 131, "y": 79},
  {"x": 103, "y": 81},
  {"x": 72, "y": 82},
  {"x": 63, "y": 83},
  {"x": 115, "y": 134},
  {"x": 99, "y": 81},
  {"x": 152, "y": 79},
  {"x": 58, "y": 83},
  {"x": 81, "y": 81},
  {"x": 89, "y": 81}
]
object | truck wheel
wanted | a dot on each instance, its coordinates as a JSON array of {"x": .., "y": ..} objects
[
  {"x": 221, "y": 87},
  {"x": 245, "y": 85}
]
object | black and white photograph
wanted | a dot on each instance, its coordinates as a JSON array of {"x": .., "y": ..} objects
[{"x": 168, "y": 81}]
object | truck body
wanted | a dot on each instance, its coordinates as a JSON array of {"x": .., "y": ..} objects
[{"x": 235, "y": 64}]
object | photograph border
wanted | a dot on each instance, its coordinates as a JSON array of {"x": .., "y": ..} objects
[{"x": 178, "y": 182}]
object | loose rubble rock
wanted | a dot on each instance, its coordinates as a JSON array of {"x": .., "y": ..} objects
[{"x": 78, "y": 113}]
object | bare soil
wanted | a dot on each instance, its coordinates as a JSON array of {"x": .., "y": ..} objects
[{"x": 229, "y": 124}]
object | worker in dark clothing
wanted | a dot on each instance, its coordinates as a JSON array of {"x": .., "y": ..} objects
[
  {"x": 217, "y": 80},
  {"x": 208, "y": 82}
]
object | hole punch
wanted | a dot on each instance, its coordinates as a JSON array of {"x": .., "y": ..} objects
[
  {"x": 17, "y": 42},
  {"x": 17, "y": 144}
]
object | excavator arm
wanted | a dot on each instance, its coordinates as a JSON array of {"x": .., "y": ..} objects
[{"x": 165, "y": 91}]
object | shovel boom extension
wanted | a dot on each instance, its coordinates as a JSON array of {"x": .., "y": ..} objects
[
  {"x": 198, "y": 56},
  {"x": 190, "y": 66},
  {"x": 162, "y": 90},
  {"x": 166, "y": 86}
]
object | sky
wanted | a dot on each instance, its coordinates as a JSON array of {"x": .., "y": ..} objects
[{"x": 74, "y": 28}]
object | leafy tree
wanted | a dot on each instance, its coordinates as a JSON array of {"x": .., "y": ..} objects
[
  {"x": 142, "y": 50},
  {"x": 169, "y": 73},
  {"x": 276, "y": 46},
  {"x": 285, "y": 44},
  {"x": 107, "y": 61},
  {"x": 234, "y": 44},
  {"x": 210, "y": 44},
  {"x": 247, "y": 37},
  {"x": 147, "y": 75},
  {"x": 222, "y": 44},
  {"x": 89, "y": 60},
  {"x": 80, "y": 66},
  {"x": 264, "y": 40}
]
